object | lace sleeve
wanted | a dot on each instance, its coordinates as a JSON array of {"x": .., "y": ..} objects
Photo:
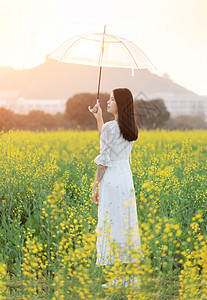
[{"x": 106, "y": 141}]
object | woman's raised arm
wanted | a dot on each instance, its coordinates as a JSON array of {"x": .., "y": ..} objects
[{"x": 97, "y": 112}]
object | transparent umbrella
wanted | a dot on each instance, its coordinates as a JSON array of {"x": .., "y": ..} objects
[{"x": 102, "y": 50}]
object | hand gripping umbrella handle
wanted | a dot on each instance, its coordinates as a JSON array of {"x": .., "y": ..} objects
[{"x": 89, "y": 108}]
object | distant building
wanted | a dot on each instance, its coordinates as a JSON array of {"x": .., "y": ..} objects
[
  {"x": 9, "y": 99},
  {"x": 179, "y": 104},
  {"x": 49, "y": 106}
]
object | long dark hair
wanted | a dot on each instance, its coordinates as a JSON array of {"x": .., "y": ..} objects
[{"x": 126, "y": 118}]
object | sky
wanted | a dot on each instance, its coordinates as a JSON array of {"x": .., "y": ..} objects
[{"x": 172, "y": 33}]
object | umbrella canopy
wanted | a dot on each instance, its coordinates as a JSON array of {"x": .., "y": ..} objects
[
  {"x": 102, "y": 50},
  {"x": 117, "y": 52}
]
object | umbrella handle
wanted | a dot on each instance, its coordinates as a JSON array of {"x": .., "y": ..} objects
[{"x": 89, "y": 107}]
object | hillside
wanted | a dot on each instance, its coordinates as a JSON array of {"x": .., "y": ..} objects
[{"x": 57, "y": 80}]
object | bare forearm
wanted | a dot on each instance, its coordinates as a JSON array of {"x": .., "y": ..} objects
[
  {"x": 100, "y": 123},
  {"x": 99, "y": 174}
]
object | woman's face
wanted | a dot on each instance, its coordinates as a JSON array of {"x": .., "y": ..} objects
[{"x": 111, "y": 105}]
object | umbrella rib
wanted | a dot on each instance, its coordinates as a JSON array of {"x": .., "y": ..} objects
[
  {"x": 131, "y": 55},
  {"x": 70, "y": 47},
  {"x": 130, "y": 52},
  {"x": 142, "y": 52}
]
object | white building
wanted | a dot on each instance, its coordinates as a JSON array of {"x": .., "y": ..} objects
[
  {"x": 179, "y": 104},
  {"x": 50, "y": 106},
  {"x": 9, "y": 99}
]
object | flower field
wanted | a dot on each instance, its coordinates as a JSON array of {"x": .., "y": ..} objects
[{"x": 48, "y": 221}]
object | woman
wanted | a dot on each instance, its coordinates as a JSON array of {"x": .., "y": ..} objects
[{"x": 117, "y": 211}]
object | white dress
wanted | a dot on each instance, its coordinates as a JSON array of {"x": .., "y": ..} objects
[{"x": 117, "y": 211}]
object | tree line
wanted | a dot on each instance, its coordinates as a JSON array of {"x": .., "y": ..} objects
[{"x": 150, "y": 114}]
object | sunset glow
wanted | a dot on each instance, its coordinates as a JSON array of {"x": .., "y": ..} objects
[{"x": 171, "y": 33}]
